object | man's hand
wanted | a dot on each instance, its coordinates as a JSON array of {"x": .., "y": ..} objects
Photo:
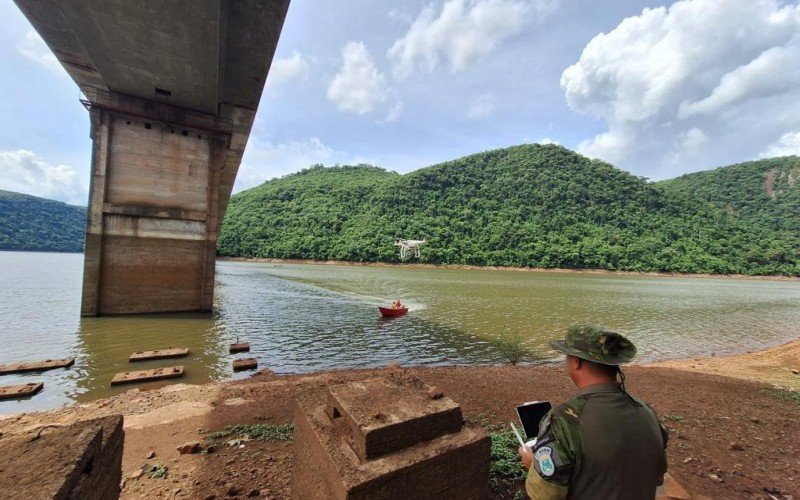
[{"x": 526, "y": 455}]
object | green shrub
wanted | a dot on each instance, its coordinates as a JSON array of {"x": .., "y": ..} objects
[{"x": 512, "y": 346}]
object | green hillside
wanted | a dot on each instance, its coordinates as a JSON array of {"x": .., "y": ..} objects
[
  {"x": 764, "y": 195},
  {"x": 31, "y": 223},
  {"x": 530, "y": 205}
]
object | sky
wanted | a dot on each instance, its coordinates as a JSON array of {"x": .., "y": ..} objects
[{"x": 656, "y": 88}]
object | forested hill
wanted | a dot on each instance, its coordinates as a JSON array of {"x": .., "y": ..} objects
[
  {"x": 31, "y": 223},
  {"x": 763, "y": 194},
  {"x": 530, "y": 205}
]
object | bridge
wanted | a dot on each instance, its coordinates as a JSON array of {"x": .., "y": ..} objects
[{"x": 172, "y": 88}]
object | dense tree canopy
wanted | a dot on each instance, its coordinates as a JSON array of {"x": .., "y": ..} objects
[
  {"x": 31, "y": 223},
  {"x": 530, "y": 205},
  {"x": 764, "y": 195}
]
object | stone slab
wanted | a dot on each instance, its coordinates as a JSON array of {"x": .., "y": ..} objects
[
  {"x": 245, "y": 364},
  {"x": 36, "y": 366},
  {"x": 385, "y": 415},
  {"x": 20, "y": 390},
  {"x": 148, "y": 375},
  {"x": 240, "y": 347},
  {"x": 454, "y": 465},
  {"x": 178, "y": 352}
]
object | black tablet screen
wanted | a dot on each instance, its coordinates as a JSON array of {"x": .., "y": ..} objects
[{"x": 530, "y": 414}]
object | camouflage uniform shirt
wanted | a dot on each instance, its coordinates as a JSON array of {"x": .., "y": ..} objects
[{"x": 602, "y": 443}]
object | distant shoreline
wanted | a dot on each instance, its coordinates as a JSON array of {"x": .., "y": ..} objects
[
  {"x": 17, "y": 250},
  {"x": 557, "y": 270}
]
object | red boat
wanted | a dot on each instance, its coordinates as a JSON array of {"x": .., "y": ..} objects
[{"x": 392, "y": 311}]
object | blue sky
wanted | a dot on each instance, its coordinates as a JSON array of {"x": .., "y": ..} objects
[{"x": 656, "y": 88}]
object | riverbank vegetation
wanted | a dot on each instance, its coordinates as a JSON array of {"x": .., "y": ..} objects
[
  {"x": 528, "y": 206},
  {"x": 38, "y": 224}
]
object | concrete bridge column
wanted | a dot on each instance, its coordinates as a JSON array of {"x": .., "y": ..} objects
[{"x": 154, "y": 211}]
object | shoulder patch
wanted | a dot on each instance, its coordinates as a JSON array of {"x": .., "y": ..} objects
[
  {"x": 571, "y": 413},
  {"x": 544, "y": 456},
  {"x": 553, "y": 459}
]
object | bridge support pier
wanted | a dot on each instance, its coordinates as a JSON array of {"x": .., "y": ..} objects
[
  {"x": 156, "y": 177},
  {"x": 172, "y": 89}
]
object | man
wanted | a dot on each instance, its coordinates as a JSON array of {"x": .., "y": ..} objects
[{"x": 602, "y": 443}]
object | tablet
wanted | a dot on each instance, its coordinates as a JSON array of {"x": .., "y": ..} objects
[{"x": 530, "y": 414}]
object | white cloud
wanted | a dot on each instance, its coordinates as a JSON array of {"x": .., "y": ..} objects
[
  {"x": 264, "y": 160},
  {"x": 694, "y": 139},
  {"x": 481, "y": 107},
  {"x": 695, "y": 85},
  {"x": 462, "y": 32},
  {"x": 33, "y": 47},
  {"x": 358, "y": 86},
  {"x": 764, "y": 76},
  {"x": 546, "y": 140},
  {"x": 288, "y": 69},
  {"x": 787, "y": 145},
  {"x": 394, "y": 112},
  {"x": 25, "y": 172}
]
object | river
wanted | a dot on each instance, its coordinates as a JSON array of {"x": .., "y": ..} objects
[{"x": 303, "y": 317}]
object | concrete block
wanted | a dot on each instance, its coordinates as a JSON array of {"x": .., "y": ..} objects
[
  {"x": 415, "y": 450},
  {"x": 36, "y": 366},
  {"x": 82, "y": 460},
  {"x": 18, "y": 391},
  {"x": 245, "y": 364},
  {"x": 402, "y": 416}
]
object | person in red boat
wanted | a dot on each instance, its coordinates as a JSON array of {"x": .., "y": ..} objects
[{"x": 397, "y": 305}]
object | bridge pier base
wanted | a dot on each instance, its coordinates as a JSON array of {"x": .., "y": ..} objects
[{"x": 154, "y": 210}]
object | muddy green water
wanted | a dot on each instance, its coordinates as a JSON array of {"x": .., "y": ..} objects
[{"x": 301, "y": 318}]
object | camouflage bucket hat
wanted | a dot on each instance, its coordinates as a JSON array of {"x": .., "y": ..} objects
[{"x": 592, "y": 343}]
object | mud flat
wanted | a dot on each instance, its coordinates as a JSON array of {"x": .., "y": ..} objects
[
  {"x": 779, "y": 366},
  {"x": 731, "y": 438}
]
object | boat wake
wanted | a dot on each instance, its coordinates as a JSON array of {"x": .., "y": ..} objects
[{"x": 384, "y": 301}]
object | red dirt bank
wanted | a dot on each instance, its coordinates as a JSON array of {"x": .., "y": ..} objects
[{"x": 735, "y": 430}]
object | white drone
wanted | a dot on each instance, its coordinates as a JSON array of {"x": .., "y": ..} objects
[{"x": 406, "y": 246}]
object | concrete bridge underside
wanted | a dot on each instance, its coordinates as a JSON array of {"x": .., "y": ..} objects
[{"x": 172, "y": 89}]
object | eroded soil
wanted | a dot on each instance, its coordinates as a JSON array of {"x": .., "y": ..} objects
[{"x": 730, "y": 438}]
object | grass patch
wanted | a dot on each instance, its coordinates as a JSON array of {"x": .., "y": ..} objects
[
  {"x": 786, "y": 395},
  {"x": 506, "y": 471},
  {"x": 158, "y": 471},
  {"x": 264, "y": 432}
]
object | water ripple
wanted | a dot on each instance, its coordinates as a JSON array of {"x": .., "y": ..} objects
[{"x": 301, "y": 318}]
